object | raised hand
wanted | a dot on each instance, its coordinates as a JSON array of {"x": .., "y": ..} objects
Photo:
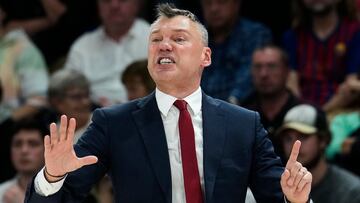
[
  {"x": 296, "y": 179},
  {"x": 60, "y": 157}
]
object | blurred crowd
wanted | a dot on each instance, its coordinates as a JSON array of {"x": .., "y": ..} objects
[{"x": 295, "y": 62}]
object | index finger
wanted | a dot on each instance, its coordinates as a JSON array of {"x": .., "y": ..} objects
[{"x": 294, "y": 154}]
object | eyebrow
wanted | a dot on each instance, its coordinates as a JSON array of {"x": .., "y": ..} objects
[{"x": 175, "y": 30}]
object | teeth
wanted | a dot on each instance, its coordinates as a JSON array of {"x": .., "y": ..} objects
[{"x": 166, "y": 61}]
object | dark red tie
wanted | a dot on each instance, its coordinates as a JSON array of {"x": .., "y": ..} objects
[{"x": 188, "y": 155}]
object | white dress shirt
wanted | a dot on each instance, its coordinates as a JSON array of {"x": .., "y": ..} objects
[
  {"x": 103, "y": 60},
  {"x": 170, "y": 116}
]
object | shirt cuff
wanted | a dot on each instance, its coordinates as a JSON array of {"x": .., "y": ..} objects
[
  {"x": 43, "y": 187},
  {"x": 286, "y": 201}
]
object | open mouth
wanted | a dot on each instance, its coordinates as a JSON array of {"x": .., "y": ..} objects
[{"x": 165, "y": 60}]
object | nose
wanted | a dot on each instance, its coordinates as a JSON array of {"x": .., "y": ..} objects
[{"x": 165, "y": 46}]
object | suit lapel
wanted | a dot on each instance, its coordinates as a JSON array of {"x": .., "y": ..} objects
[
  {"x": 150, "y": 125},
  {"x": 214, "y": 123}
]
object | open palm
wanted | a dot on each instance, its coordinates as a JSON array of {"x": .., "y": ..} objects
[{"x": 60, "y": 157}]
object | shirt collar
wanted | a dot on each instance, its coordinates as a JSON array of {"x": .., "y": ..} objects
[{"x": 166, "y": 101}]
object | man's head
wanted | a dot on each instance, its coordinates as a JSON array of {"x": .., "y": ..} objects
[
  {"x": 309, "y": 125},
  {"x": 178, "y": 49},
  {"x": 69, "y": 94},
  {"x": 137, "y": 80},
  {"x": 220, "y": 14},
  {"x": 27, "y": 148},
  {"x": 270, "y": 68},
  {"x": 117, "y": 14},
  {"x": 305, "y": 10}
]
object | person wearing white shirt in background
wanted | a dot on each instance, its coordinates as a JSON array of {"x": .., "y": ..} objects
[{"x": 103, "y": 54}]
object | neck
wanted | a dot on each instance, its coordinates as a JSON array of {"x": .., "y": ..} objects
[
  {"x": 179, "y": 93},
  {"x": 319, "y": 171},
  {"x": 271, "y": 105},
  {"x": 24, "y": 180},
  {"x": 116, "y": 33},
  {"x": 83, "y": 121},
  {"x": 324, "y": 25}
]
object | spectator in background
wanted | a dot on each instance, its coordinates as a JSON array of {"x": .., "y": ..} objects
[
  {"x": 324, "y": 48},
  {"x": 69, "y": 94},
  {"x": 232, "y": 40},
  {"x": 331, "y": 184},
  {"x": 271, "y": 98},
  {"x": 23, "y": 73},
  {"x": 27, "y": 149},
  {"x": 103, "y": 54},
  {"x": 52, "y": 24},
  {"x": 137, "y": 80}
]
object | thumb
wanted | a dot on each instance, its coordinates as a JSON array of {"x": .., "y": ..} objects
[{"x": 87, "y": 160}]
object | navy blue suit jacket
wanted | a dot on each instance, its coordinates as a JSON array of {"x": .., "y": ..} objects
[{"x": 130, "y": 142}]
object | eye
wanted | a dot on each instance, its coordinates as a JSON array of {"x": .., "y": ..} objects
[
  {"x": 179, "y": 39},
  {"x": 155, "y": 39}
]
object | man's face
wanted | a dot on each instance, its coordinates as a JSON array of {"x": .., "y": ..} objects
[
  {"x": 177, "y": 54},
  {"x": 136, "y": 88},
  {"x": 269, "y": 72},
  {"x": 27, "y": 151},
  {"x": 319, "y": 7},
  {"x": 220, "y": 14},
  {"x": 311, "y": 150},
  {"x": 117, "y": 13},
  {"x": 75, "y": 104}
]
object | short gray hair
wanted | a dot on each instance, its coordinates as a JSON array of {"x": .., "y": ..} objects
[
  {"x": 169, "y": 11},
  {"x": 64, "y": 79}
]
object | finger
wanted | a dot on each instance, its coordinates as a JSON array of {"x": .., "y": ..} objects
[
  {"x": 71, "y": 130},
  {"x": 53, "y": 134},
  {"x": 63, "y": 127},
  {"x": 284, "y": 178},
  {"x": 47, "y": 144},
  {"x": 293, "y": 173},
  {"x": 88, "y": 160},
  {"x": 302, "y": 172},
  {"x": 294, "y": 154},
  {"x": 305, "y": 182}
]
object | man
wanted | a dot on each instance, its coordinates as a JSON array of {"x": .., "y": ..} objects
[
  {"x": 232, "y": 41},
  {"x": 330, "y": 183},
  {"x": 159, "y": 149},
  {"x": 69, "y": 94},
  {"x": 27, "y": 149},
  {"x": 103, "y": 54},
  {"x": 271, "y": 98},
  {"x": 323, "y": 46}
]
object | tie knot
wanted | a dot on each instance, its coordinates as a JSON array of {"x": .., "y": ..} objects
[{"x": 180, "y": 104}]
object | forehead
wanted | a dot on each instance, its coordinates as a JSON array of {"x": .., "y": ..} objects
[
  {"x": 27, "y": 134},
  {"x": 268, "y": 54},
  {"x": 177, "y": 23}
]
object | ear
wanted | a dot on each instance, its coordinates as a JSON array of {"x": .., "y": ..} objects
[{"x": 206, "y": 57}]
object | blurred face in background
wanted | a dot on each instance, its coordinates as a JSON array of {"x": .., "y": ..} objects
[
  {"x": 320, "y": 7},
  {"x": 136, "y": 88},
  {"x": 312, "y": 148},
  {"x": 118, "y": 13},
  {"x": 269, "y": 72},
  {"x": 27, "y": 151},
  {"x": 75, "y": 104},
  {"x": 220, "y": 14}
]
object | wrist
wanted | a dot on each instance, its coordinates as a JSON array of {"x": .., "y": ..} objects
[{"x": 53, "y": 178}]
